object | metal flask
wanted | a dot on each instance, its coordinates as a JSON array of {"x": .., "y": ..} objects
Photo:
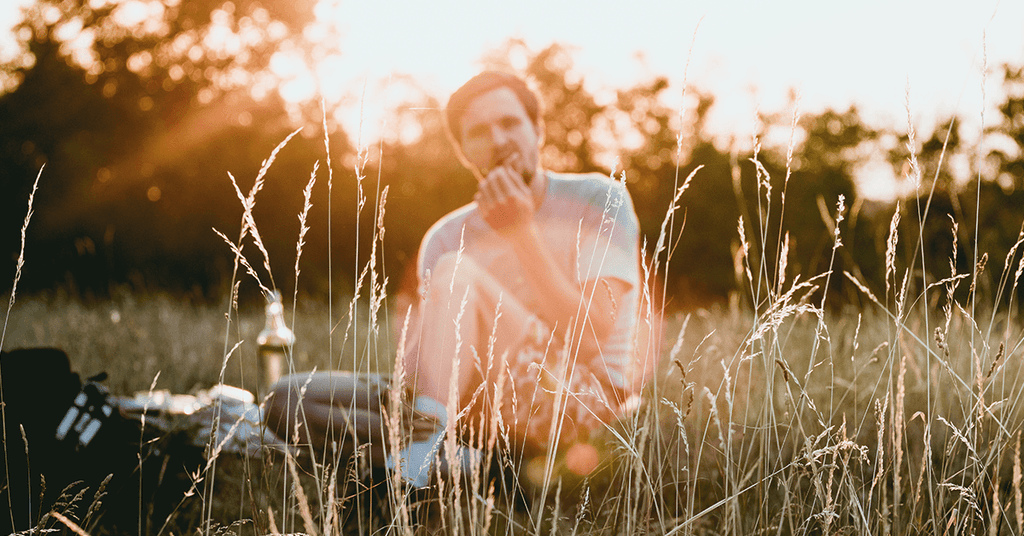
[{"x": 275, "y": 342}]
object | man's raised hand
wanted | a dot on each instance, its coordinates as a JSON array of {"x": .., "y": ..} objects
[{"x": 504, "y": 200}]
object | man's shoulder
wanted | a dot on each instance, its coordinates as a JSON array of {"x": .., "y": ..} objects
[
  {"x": 456, "y": 217},
  {"x": 450, "y": 226},
  {"x": 583, "y": 181},
  {"x": 593, "y": 189}
]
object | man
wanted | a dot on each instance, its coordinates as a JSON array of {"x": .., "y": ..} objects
[
  {"x": 528, "y": 295},
  {"x": 540, "y": 274}
]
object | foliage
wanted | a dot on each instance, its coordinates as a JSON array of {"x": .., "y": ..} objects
[
  {"x": 139, "y": 117},
  {"x": 1011, "y": 158},
  {"x": 139, "y": 121}
]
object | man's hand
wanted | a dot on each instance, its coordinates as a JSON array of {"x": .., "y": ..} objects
[{"x": 504, "y": 200}]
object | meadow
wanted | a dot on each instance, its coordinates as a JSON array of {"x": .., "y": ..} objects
[{"x": 777, "y": 413}]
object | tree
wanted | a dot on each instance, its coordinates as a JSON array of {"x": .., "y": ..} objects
[
  {"x": 140, "y": 109},
  {"x": 1010, "y": 157},
  {"x": 823, "y": 170}
]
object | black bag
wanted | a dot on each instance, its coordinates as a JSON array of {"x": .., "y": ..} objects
[{"x": 73, "y": 435}]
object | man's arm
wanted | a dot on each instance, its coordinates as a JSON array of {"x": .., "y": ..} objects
[
  {"x": 508, "y": 205},
  {"x": 595, "y": 300}
]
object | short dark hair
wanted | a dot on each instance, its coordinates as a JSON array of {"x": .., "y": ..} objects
[{"x": 482, "y": 83}]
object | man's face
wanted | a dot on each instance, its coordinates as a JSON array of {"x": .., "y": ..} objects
[{"x": 496, "y": 130}]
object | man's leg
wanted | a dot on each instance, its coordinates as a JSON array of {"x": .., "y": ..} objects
[
  {"x": 430, "y": 363},
  {"x": 463, "y": 309},
  {"x": 327, "y": 408}
]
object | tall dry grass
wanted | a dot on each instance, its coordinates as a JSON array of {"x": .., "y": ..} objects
[{"x": 777, "y": 414}]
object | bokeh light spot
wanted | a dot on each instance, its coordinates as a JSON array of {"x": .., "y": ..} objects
[
  {"x": 153, "y": 194},
  {"x": 139, "y": 61},
  {"x": 535, "y": 470},
  {"x": 582, "y": 458},
  {"x": 110, "y": 88},
  {"x": 176, "y": 72}
]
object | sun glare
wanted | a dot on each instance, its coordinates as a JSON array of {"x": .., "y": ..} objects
[
  {"x": 367, "y": 60},
  {"x": 363, "y": 49}
]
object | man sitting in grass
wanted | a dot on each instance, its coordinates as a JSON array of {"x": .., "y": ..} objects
[{"x": 530, "y": 292}]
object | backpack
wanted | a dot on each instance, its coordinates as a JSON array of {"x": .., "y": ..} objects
[{"x": 74, "y": 439}]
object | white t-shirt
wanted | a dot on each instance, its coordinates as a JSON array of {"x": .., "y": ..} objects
[{"x": 591, "y": 229}]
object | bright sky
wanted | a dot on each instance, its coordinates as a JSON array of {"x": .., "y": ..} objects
[
  {"x": 747, "y": 53},
  {"x": 8, "y": 17}
]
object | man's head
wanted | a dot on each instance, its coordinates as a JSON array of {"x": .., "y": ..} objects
[
  {"x": 495, "y": 118},
  {"x": 483, "y": 83}
]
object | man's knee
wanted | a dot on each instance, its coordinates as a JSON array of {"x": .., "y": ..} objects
[
  {"x": 282, "y": 405},
  {"x": 451, "y": 265},
  {"x": 454, "y": 273}
]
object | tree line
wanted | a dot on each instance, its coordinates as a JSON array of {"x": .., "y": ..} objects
[{"x": 139, "y": 130}]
